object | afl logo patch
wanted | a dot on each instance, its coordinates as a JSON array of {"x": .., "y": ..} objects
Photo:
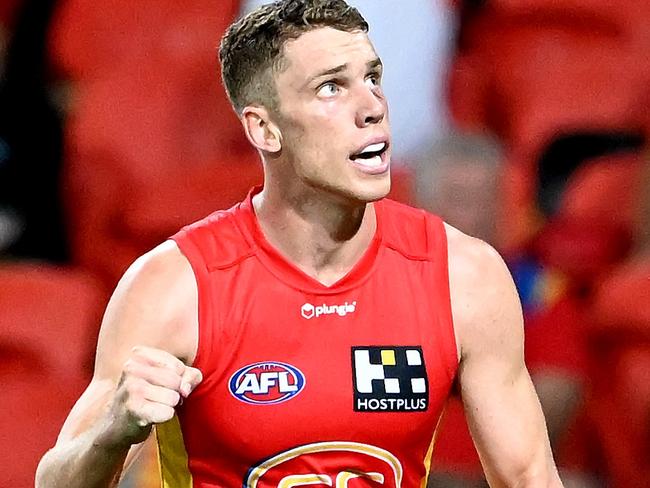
[{"x": 266, "y": 383}]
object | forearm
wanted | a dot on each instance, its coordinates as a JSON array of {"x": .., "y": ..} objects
[
  {"x": 509, "y": 429},
  {"x": 529, "y": 465},
  {"x": 90, "y": 460},
  {"x": 549, "y": 478}
]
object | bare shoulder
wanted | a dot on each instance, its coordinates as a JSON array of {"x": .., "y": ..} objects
[
  {"x": 485, "y": 304},
  {"x": 501, "y": 407},
  {"x": 155, "y": 305}
]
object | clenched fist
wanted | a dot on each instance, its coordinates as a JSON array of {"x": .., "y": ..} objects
[{"x": 152, "y": 384}]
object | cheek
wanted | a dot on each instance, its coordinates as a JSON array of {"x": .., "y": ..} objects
[
  {"x": 317, "y": 129},
  {"x": 320, "y": 135}
]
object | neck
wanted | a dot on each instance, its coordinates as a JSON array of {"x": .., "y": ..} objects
[{"x": 323, "y": 236}]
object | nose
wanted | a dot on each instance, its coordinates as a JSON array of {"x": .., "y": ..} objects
[{"x": 372, "y": 107}]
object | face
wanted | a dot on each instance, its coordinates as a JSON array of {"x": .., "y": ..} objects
[
  {"x": 333, "y": 116},
  {"x": 465, "y": 196}
]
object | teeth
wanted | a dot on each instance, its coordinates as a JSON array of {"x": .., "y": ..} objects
[
  {"x": 374, "y": 147},
  {"x": 370, "y": 162}
]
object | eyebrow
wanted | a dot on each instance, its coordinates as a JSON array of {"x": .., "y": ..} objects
[{"x": 375, "y": 63}]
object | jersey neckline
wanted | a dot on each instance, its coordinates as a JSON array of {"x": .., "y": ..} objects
[{"x": 288, "y": 272}]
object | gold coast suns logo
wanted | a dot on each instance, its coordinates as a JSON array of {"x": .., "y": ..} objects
[{"x": 335, "y": 464}]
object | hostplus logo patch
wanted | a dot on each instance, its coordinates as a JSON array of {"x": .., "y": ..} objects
[
  {"x": 309, "y": 311},
  {"x": 389, "y": 379}
]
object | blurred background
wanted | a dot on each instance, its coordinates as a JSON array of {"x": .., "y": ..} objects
[{"x": 522, "y": 122}]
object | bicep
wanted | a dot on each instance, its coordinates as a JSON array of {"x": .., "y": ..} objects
[
  {"x": 504, "y": 417},
  {"x": 154, "y": 305},
  {"x": 502, "y": 409}
]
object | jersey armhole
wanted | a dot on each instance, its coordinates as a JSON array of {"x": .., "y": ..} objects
[
  {"x": 205, "y": 312},
  {"x": 440, "y": 253}
]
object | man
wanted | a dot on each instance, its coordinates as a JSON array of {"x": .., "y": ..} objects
[{"x": 318, "y": 324}]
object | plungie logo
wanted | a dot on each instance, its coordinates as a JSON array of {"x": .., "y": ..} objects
[
  {"x": 266, "y": 383},
  {"x": 308, "y": 310}
]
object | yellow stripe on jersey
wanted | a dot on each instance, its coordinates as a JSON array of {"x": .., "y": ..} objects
[
  {"x": 172, "y": 457},
  {"x": 429, "y": 455}
]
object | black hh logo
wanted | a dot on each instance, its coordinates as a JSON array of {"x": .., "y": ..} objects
[{"x": 389, "y": 379}]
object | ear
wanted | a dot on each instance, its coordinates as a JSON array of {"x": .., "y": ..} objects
[{"x": 260, "y": 130}]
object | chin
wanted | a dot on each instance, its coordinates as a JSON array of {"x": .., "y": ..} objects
[
  {"x": 371, "y": 191},
  {"x": 355, "y": 190}
]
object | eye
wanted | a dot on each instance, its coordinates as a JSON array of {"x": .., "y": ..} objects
[
  {"x": 373, "y": 80},
  {"x": 328, "y": 90}
]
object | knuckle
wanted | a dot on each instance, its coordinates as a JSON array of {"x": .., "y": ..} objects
[
  {"x": 198, "y": 376},
  {"x": 178, "y": 367},
  {"x": 133, "y": 407},
  {"x": 125, "y": 383},
  {"x": 174, "y": 397},
  {"x": 135, "y": 386},
  {"x": 166, "y": 413},
  {"x": 143, "y": 416},
  {"x": 129, "y": 366},
  {"x": 166, "y": 378}
]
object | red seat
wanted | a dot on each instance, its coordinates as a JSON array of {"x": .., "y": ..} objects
[
  {"x": 621, "y": 309},
  {"x": 54, "y": 310},
  {"x": 48, "y": 327},
  {"x": 569, "y": 54},
  {"x": 608, "y": 189},
  {"x": 619, "y": 405},
  {"x": 530, "y": 71},
  {"x": 619, "y": 413},
  {"x": 153, "y": 143},
  {"x": 90, "y": 40},
  {"x": 8, "y": 10}
]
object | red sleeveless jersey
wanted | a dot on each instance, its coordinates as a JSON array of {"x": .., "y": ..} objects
[{"x": 313, "y": 385}]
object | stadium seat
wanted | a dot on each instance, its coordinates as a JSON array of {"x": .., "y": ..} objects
[
  {"x": 623, "y": 402},
  {"x": 621, "y": 309},
  {"x": 619, "y": 338},
  {"x": 152, "y": 143},
  {"x": 608, "y": 188},
  {"x": 93, "y": 39},
  {"x": 8, "y": 11},
  {"x": 48, "y": 327},
  {"x": 532, "y": 79}
]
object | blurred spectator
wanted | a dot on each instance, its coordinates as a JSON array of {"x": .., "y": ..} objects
[
  {"x": 31, "y": 223},
  {"x": 614, "y": 192},
  {"x": 593, "y": 223},
  {"x": 537, "y": 70},
  {"x": 459, "y": 179}
]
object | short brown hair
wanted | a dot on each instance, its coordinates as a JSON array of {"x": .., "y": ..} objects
[{"x": 251, "y": 48}]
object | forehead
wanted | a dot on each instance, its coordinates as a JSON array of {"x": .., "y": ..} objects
[{"x": 325, "y": 48}]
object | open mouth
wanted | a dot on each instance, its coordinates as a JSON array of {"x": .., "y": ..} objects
[{"x": 371, "y": 157}]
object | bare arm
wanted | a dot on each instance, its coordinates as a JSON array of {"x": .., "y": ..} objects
[
  {"x": 148, "y": 336},
  {"x": 502, "y": 408}
]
